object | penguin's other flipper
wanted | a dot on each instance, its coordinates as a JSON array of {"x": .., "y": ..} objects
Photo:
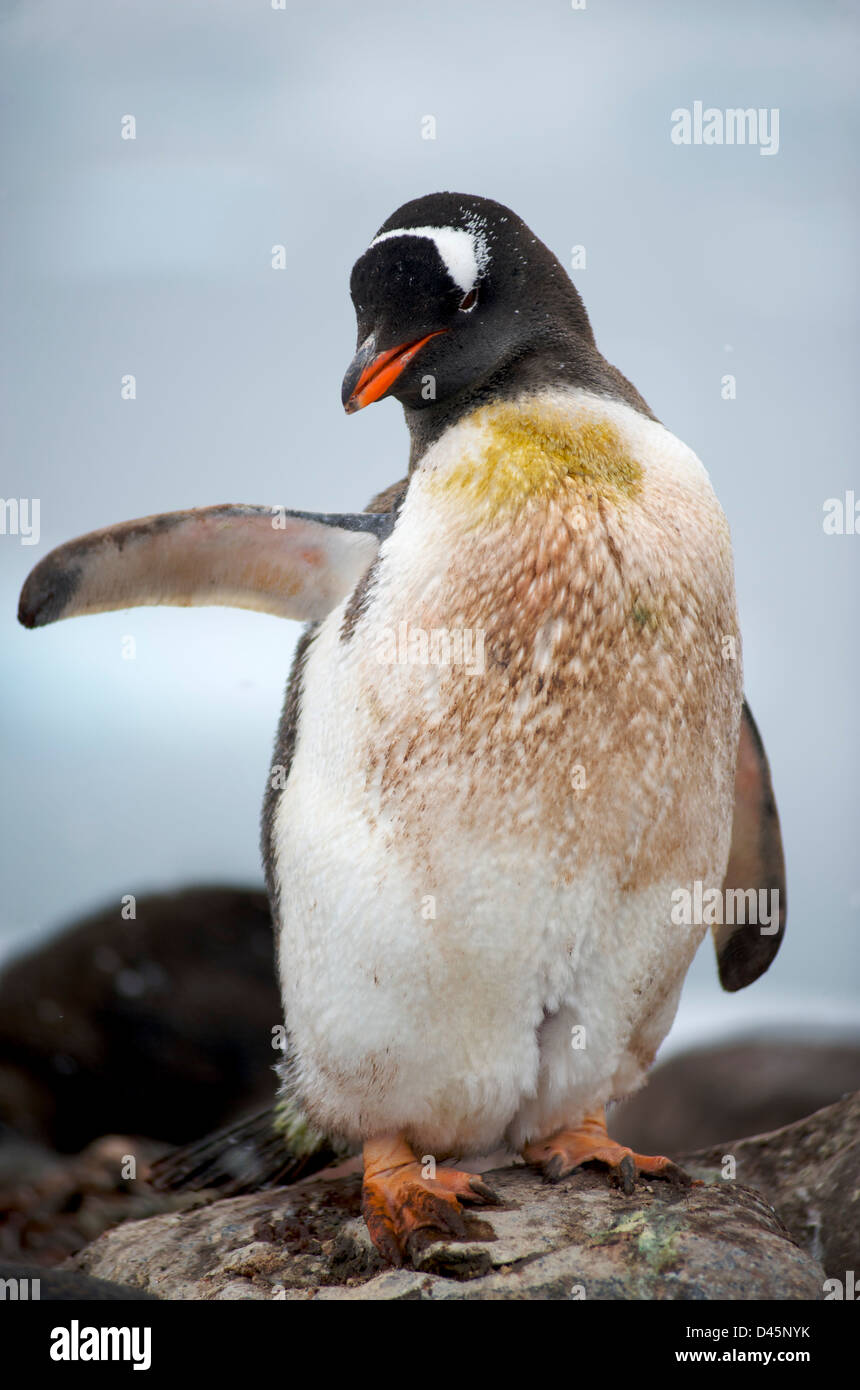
[
  {"x": 292, "y": 564},
  {"x": 254, "y": 1154},
  {"x": 756, "y": 864}
]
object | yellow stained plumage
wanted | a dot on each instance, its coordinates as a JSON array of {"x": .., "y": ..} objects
[{"x": 524, "y": 452}]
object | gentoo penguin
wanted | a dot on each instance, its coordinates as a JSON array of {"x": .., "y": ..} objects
[{"x": 514, "y": 738}]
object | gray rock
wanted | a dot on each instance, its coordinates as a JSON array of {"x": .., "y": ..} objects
[
  {"x": 577, "y": 1239},
  {"x": 810, "y": 1174}
]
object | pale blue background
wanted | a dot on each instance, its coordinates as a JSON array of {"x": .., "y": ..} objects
[{"x": 302, "y": 127}]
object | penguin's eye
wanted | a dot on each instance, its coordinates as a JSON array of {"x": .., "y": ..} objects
[{"x": 469, "y": 301}]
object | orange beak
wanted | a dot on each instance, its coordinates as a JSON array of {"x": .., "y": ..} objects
[{"x": 376, "y": 376}]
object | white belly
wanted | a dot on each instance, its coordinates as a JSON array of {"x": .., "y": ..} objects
[{"x": 466, "y": 1009}]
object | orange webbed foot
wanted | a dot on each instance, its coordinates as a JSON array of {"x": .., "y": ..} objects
[
  {"x": 401, "y": 1205},
  {"x": 561, "y": 1153}
]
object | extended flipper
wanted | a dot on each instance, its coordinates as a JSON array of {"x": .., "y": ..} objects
[
  {"x": 756, "y": 863},
  {"x": 292, "y": 564}
]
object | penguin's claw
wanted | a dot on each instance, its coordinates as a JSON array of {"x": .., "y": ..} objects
[
  {"x": 569, "y": 1149},
  {"x": 626, "y": 1170},
  {"x": 401, "y": 1207}
]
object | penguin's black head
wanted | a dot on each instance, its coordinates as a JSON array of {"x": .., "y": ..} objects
[{"x": 456, "y": 299}]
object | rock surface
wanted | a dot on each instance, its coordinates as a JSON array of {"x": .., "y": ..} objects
[
  {"x": 810, "y": 1174},
  {"x": 577, "y": 1239}
]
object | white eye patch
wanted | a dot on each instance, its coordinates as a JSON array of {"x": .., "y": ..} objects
[{"x": 463, "y": 254}]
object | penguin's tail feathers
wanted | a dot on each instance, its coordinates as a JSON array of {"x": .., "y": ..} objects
[{"x": 272, "y": 1148}]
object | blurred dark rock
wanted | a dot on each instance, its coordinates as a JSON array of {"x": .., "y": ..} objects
[
  {"x": 65, "y": 1202},
  {"x": 747, "y": 1087},
  {"x": 159, "y": 1026},
  {"x": 68, "y": 1286}
]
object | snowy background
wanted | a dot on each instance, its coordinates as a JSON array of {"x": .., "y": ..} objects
[{"x": 303, "y": 127}]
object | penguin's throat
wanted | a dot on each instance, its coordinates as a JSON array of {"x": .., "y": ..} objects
[{"x": 518, "y": 453}]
